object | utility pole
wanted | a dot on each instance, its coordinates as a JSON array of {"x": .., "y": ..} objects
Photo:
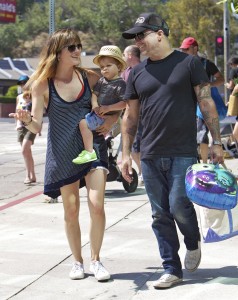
[
  {"x": 51, "y": 16},
  {"x": 226, "y": 30}
]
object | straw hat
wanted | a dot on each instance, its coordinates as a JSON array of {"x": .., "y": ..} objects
[{"x": 110, "y": 51}]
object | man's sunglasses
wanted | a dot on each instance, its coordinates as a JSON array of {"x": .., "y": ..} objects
[
  {"x": 142, "y": 35},
  {"x": 72, "y": 48}
]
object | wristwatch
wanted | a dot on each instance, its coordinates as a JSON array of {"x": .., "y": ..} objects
[{"x": 219, "y": 143}]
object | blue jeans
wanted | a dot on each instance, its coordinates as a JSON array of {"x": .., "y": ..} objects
[{"x": 164, "y": 180}]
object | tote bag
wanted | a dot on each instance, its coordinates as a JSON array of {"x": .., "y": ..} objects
[
  {"x": 217, "y": 225},
  {"x": 233, "y": 106}
]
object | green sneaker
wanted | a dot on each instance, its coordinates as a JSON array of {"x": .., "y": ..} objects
[{"x": 85, "y": 157}]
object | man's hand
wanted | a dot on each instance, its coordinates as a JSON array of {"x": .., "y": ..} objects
[
  {"x": 217, "y": 154},
  {"x": 126, "y": 169}
]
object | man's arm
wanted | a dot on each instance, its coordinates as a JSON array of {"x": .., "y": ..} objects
[
  {"x": 209, "y": 112},
  {"x": 129, "y": 129}
]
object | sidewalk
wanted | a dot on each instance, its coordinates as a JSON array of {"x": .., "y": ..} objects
[{"x": 35, "y": 258}]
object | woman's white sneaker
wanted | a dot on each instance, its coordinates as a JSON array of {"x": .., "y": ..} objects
[
  {"x": 77, "y": 271},
  {"x": 100, "y": 273}
]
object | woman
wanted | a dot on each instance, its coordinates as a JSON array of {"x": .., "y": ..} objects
[
  {"x": 64, "y": 89},
  {"x": 24, "y": 136}
]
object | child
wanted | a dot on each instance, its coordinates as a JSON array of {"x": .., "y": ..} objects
[
  {"x": 23, "y": 102},
  {"x": 107, "y": 98}
]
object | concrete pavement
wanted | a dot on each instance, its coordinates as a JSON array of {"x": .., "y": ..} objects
[{"x": 35, "y": 258}]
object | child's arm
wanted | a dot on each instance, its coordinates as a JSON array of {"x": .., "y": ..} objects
[
  {"x": 94, "y": 101},
  {"x": 112, "y": 107}
]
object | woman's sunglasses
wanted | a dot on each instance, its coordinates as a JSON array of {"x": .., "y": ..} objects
[{"x": 72, "y": 48}]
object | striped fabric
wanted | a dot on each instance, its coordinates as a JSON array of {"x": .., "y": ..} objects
[{"x": 65, "y": 141}]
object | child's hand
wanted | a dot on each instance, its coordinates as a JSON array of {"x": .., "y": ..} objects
[
  {"x": 103, "y": 110},
  {"x": 96, "y": 110}
]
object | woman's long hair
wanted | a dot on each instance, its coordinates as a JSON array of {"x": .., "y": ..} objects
[{"x": 49, "y": 55}]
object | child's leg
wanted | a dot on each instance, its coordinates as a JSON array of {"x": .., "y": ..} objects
[
  {"x": 89, "y": 153},
  {"x": 87, "y": 136}
]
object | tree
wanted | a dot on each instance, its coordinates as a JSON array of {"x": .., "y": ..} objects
[
  {"x": 201, "y": 19},
  {"x": 99, "y": 26},
  {"x": 232, "y": 5}
]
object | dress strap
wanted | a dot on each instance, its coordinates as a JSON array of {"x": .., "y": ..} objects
[{"x": 82, "y": 83}]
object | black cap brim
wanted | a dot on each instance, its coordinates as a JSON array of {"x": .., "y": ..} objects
[{"x": 131, "y": 33}]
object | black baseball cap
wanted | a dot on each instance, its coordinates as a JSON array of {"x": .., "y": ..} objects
[{"x": 146, "y": 21}]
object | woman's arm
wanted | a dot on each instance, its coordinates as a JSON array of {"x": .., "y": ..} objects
[{"x": 110, "y": 120}]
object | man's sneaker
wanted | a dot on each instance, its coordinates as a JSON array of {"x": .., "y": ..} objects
[
  {"x": 77, "y": 271},
  {"x": 166, "y": 281},
  {"x": 100, "y": 273},
  {"x": 192, "y": 259},
  {"x": 85, "y": 157}
]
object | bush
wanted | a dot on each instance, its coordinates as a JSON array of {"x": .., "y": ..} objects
[{"x": 12, "y": 91}]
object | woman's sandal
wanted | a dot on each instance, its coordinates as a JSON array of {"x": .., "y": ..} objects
[{"x": 29, "y": 181}]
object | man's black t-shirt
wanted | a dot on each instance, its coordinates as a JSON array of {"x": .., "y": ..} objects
[{"x": 165, "y": 89}]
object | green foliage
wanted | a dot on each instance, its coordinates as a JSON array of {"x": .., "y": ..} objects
[
  {"x": 12, "y": 92},
  {"x": 101, "y": 22},
  {"x": 202, "y": 19},
  {"x": 22, "y": 6},
  {"x": 231, "y": 4}
]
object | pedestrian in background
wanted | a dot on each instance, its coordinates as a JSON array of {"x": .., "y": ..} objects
[
  {"x": 190, "y": 46},
  {"x": 25, "y": 137},
  {"x": 165, "y": 88},
  {"x": 233, "y": 76},
  {"x": 64, "y": 89},
  {"x": 235, "y": 130},
  {"x": 132, "y": 57}
]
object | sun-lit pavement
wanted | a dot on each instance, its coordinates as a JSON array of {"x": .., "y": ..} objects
[{"x": 35, "y": 258}]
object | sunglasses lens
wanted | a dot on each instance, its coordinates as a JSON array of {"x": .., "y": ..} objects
[
  {"x": 140, "y": 36},
  {"x": 72, "y": 48}
]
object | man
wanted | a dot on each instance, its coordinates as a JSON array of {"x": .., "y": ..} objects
[
  {"x": 190, "y": 46},
  {"x": 132, "y": 57},
  {"x": 165, "y": 88}
]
